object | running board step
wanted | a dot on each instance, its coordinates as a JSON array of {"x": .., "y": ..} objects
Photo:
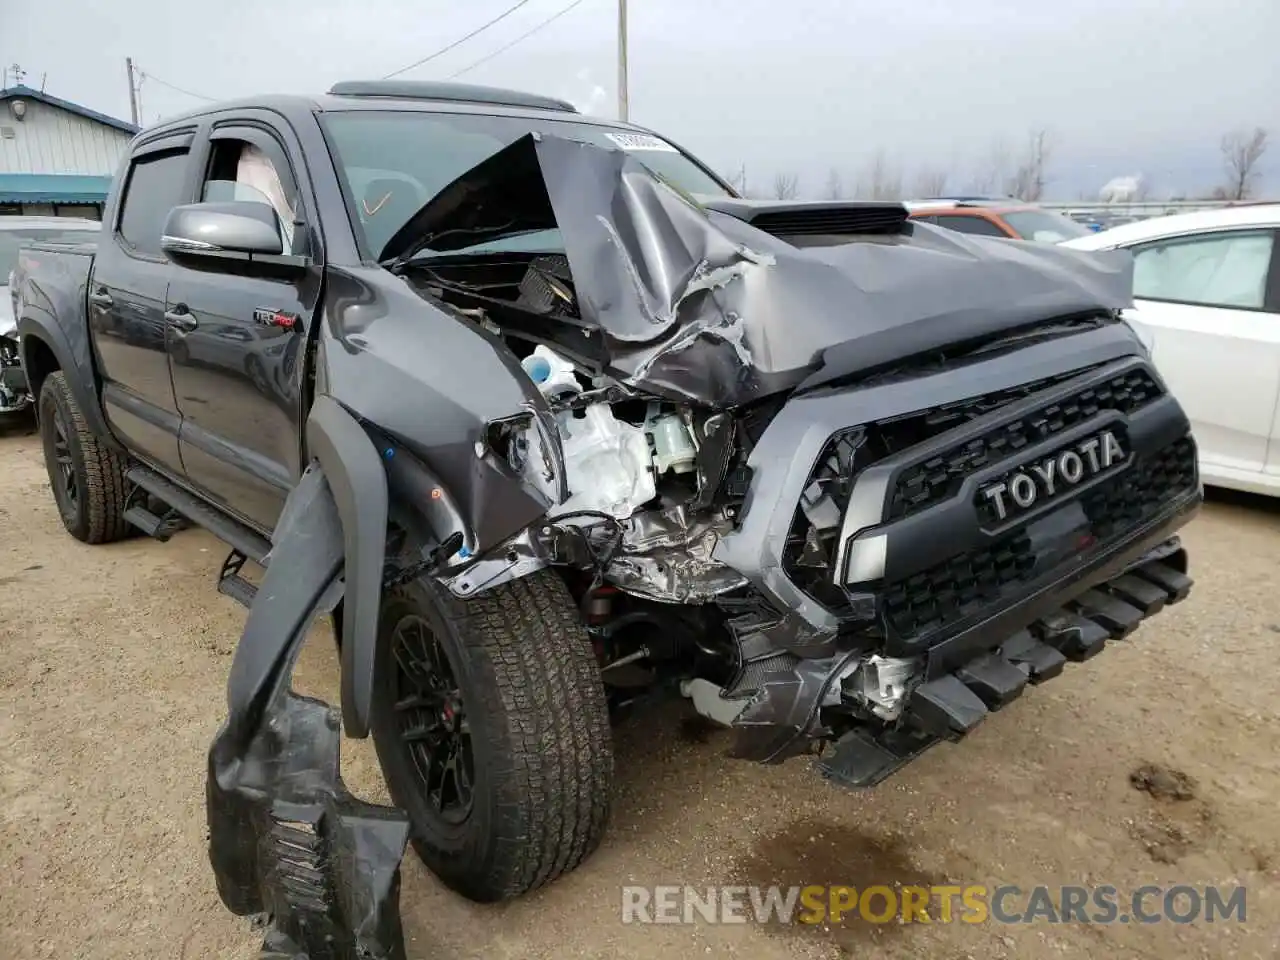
[
  {"x": 231, "y": 584},
  {"x": 234, "y": 534},
  {"x": 157, "y": 527},
  {"x": 238, "y": 589}
]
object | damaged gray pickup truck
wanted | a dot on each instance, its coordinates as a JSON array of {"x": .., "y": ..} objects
[{"x": 549, "y": 420}]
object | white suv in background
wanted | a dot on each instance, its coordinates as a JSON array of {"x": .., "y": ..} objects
[{"x": 1207, "y": 292}]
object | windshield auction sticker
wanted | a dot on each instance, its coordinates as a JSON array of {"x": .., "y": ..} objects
[{"x": 640, "y": 141}]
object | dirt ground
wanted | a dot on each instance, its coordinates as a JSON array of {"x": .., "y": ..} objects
[{"x": 112, "y": 669}]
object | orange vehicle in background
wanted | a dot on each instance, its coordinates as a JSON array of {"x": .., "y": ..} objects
[{"x": 999, "y": 218}]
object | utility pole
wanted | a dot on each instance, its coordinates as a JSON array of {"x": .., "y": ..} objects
[
  {"x": 133, "y": 90},
  {"x": 622, "y": 60}
]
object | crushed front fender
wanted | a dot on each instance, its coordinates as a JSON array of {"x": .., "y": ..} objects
[{"x": 287, "y": 840}]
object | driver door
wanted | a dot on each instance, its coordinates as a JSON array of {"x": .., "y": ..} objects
[{"x": 237, "y": 367}]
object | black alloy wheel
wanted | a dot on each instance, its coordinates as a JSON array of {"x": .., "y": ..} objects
[
  {"x": 62, "y": 468},
  {"x": 491, "y": 728},
  {"x": 432, "y": 720},
  {"x": 85, "y": 475}
]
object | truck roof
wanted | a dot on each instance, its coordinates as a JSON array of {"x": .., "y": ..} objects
[{"x": 411, "y": 96}]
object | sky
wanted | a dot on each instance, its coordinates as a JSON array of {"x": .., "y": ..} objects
[{"x": 1123, "y": 87}]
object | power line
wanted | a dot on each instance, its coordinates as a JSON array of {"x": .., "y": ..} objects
[
  {"x": 524, "y": 36},
  {"x": 174, "y": 86},
  {"x": 443, "y": 50}
]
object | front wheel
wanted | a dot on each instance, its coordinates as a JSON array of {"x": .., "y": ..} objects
[{"x": 492, "y": 730}]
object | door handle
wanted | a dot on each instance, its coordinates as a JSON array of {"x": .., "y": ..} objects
[
  {"x": 184, "y": 320},
  {"x": 101, "y": 298}
]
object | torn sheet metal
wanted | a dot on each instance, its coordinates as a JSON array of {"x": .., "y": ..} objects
[
  {"x": 695, "y": 302},
  {"x": 286, "y": 838}
]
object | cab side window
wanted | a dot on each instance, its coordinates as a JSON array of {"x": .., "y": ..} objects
[
  {"x": 1215, "y": 270},
  {"x": 239, "y": 170},
  {"x": 155, "y": 186}
]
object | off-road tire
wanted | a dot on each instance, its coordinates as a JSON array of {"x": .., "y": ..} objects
[
  {"x": 97, "y": 514},
  {"x": 540, "y": 735}
]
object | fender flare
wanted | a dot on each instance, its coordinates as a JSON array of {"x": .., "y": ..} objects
[
  {"x": 77, "y": 365},
  {"x": 359, "y": 486}
]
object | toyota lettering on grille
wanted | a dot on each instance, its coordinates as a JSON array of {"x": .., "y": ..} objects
[{"x": 1050, "y": 476}]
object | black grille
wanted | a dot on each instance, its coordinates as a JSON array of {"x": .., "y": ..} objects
[
  {"x": 815, "y": 529},
  {"x": 939, "y": 478},
  {"x": 1118, "y": 505},
  {"x": 969, "y": 582},
  {"x": 962, "y": 585}
]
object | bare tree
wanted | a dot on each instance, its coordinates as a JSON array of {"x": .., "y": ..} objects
[
  {"x": 930, "y": 182},
  {"x": 1030, "y": 177},
  {"x": 786, "y": 186},
  {"x": 879, "y": 180},
  {"x": 834, "y": 190},
  {"x": 991, "y": 171},
  {"x": 738, "y": 179},
  {"x": 1241, "y": 153}
]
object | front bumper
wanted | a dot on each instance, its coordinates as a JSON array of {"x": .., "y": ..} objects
[
  {"x": 916, "y": 566},
  {"x": 950, "y": 705}
]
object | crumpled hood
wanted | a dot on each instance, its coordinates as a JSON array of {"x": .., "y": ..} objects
[{"x": 694, "y": 302}]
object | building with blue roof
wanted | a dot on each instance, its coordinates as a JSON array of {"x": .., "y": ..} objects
[{"x": 57, "y": 158}]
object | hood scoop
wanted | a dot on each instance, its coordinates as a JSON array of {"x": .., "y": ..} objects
[{"x": 787, "y": 219}]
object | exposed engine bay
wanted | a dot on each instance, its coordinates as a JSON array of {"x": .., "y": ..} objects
[{"x": 720, "y": 419}]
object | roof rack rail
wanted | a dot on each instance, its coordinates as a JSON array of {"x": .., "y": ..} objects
[{"x": 458, "y": 92}]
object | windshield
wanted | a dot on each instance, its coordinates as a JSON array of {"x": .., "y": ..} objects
[
  {"x": 11, "y": 240},
  {"x": 394, "y": 162},
  {"x": 1044, "y": 226}
]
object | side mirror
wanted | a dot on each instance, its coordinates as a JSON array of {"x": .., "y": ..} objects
[{"x": 225, "y": 226}]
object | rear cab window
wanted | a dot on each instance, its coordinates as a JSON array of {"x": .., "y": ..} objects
[{"x": 156, "y": 184}]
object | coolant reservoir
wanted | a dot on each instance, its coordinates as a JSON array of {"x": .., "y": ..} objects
[{"x": 552, "y": 373}]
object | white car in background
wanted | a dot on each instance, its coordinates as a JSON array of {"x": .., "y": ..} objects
[{"x": 1206, "y": 290}]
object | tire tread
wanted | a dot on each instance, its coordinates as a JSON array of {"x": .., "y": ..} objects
[
  {"x": 560, "y": 746},
  {"x": 537, "y": 698},
  {"x": 104, "y": 471}
]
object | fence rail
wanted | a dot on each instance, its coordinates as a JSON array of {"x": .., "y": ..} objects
[{"x": 1144, "y": 208}]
